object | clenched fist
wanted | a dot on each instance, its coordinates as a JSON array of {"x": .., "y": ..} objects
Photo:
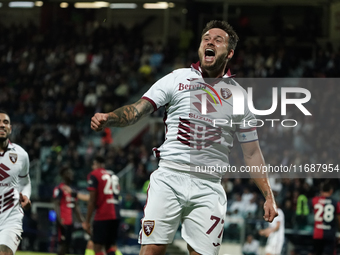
[
  {"x": 24, "y": 201},
  {"x": 98, "y": 121},
  {"x": 270, "y": 210}
]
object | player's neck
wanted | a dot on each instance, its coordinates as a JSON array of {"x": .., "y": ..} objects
[
  {"x": 3, "y": 145},
  {"x": 67, "y": 182},
  {"x": 217, "y": 73},
  {"x": 213, "y": 74}
]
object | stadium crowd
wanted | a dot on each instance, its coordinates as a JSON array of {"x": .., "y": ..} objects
[{"x": 52, "y": 83}]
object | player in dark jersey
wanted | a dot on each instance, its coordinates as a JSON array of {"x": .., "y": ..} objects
[
  {"x": 326, "y": 220},
  {"x": 104, "y": 191},
  {"x": 65, "y": 203}
]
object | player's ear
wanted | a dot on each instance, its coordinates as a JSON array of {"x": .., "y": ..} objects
[{"x": 230, "y": 54}]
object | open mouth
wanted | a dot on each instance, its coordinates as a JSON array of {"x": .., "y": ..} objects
[{"x": 209, "y": 55}]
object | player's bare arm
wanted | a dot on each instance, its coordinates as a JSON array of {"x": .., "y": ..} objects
[
  {"x": 4, "y": 250},
  {"x": 56, "y": 203},
  {"x": 80, "y": 196},
  {"x": 253, "y": 157},
  {"x": 83, "y": 197},
  {"x": 78, "y": 213},
  {"x": 91, "y": 205},
  {"x": 123, "y": 116},
  {"x": 267, "y": 231}
]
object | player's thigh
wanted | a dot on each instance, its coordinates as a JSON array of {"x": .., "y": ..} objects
[
  {"x": 192, "y": 251},
  {"x": 153, "y": 249},
  {"x": 5, "y": 250},
  {"x": 203, "y": 220},
  {"x": 9, "y": 239},
  {"x": 162, "y": 211}
]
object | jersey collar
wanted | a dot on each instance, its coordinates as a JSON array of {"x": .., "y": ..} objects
[
  {"x": 197, "y": 67},
  {"x": 10, "y": 147}
]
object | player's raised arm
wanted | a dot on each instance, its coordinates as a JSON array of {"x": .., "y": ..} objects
[
  {"x": 123, "y": 116},
  {"x": 253, "y": 157}
]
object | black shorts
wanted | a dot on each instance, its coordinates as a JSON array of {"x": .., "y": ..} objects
[
  {"x": 65, "y": 234},
  {"x": 105, "y": 232},
  {"x": 324, "y": 246}
]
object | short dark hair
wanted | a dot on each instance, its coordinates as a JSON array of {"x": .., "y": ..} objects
[
  {"x": 221, "y": 24},
  {"x": 4, "y": 112},
  {"x": 99, "y": 159},
  {"x": 63, "y": 169},
  {"x": 326, "y": 187}
]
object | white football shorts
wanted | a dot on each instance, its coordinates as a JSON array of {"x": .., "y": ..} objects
[
  {"x": 274, "y": 246},
  {"x": 199, "y": 204},
  {"x": 11, "y": 238}
]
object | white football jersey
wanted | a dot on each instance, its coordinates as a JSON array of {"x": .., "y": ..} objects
[
  {"x": 14, "y": 164},
  {"x": 199, "y": 120},
  {"x": 279, "y": 235}
]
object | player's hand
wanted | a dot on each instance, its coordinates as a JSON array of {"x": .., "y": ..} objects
[
  {"x": 265, "y": 232},
  {"x": 98, "y": 121},
  {"x": 270, "y": 210},
  {"x": 69, "y": 190},
  {"x": 86, "y": 226},
  {"x": 66, "y": 189},
  {"x": 24, "y": 201}
]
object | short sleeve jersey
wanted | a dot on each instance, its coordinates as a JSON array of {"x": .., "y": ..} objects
[
  {"x": 107, "y": 189},
  {"x": 325, "y": 211},
  {"x": 14, "y": 164},
  {"x": 195, "y": 136},
  {"x": 67, "y": 203}
]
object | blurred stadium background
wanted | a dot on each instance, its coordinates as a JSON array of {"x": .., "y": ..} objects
[{"x": 60, "y": 62}]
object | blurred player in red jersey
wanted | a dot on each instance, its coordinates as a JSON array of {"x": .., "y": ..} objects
[
  {"x": 64, "y": 203},
  {"x": 84, "y": 197},
  {"x": 104, "y": 190},
  {"x": 326, "y": 221},
  {"x": 15, "y": 188}
]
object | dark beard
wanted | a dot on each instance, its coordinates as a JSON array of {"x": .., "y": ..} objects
[
  {"x": 219, "y": 63},
  {"x": 3, "y": 139}
]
